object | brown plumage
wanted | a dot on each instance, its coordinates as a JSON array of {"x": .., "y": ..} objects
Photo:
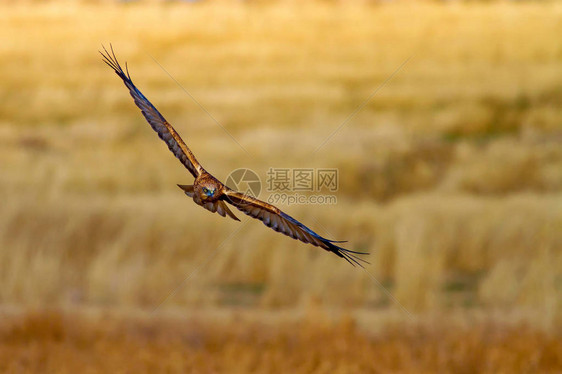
[{"x": 213, "y": 195}]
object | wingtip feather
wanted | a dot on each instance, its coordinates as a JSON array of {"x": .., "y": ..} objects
[{"x": 350, "y": 256}]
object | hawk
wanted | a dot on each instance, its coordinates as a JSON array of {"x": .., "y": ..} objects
[{"x": 208, "y": 192}]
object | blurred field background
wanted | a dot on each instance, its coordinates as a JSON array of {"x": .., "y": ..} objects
[{"x": 451, "y": 176}]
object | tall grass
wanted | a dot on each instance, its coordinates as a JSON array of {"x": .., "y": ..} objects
[
  {"x": 61, "y": 343},
  {"x": 450, "y": 176}
]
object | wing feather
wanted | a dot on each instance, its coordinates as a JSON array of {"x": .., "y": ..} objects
[
  {"x": 164, "y": 130},
  {"x": 279, "y": 221}
]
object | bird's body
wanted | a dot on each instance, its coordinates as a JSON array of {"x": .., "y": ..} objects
[{"x": 208, "y": 192}]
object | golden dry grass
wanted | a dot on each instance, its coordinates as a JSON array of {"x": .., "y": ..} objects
[
  {"x": 57, "y": 342},
  {"x": 451, "y": 176}
]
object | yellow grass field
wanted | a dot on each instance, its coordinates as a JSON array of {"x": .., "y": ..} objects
[
  {"x": 55, "y": 342},
  {"x": 444, "y": 122}
]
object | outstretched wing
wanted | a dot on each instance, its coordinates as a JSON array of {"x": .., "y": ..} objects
[
  {"x": 165, "y": 131},
  {"x": 283, "y": 223}
]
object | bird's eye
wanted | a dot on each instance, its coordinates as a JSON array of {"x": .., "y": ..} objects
[{"x": 205, "y": 189}]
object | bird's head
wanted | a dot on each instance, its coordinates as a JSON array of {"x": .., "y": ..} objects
[{"x": 208, "y": 192}]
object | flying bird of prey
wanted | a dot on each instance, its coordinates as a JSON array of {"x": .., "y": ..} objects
[{"x": 213, "y": 195}]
